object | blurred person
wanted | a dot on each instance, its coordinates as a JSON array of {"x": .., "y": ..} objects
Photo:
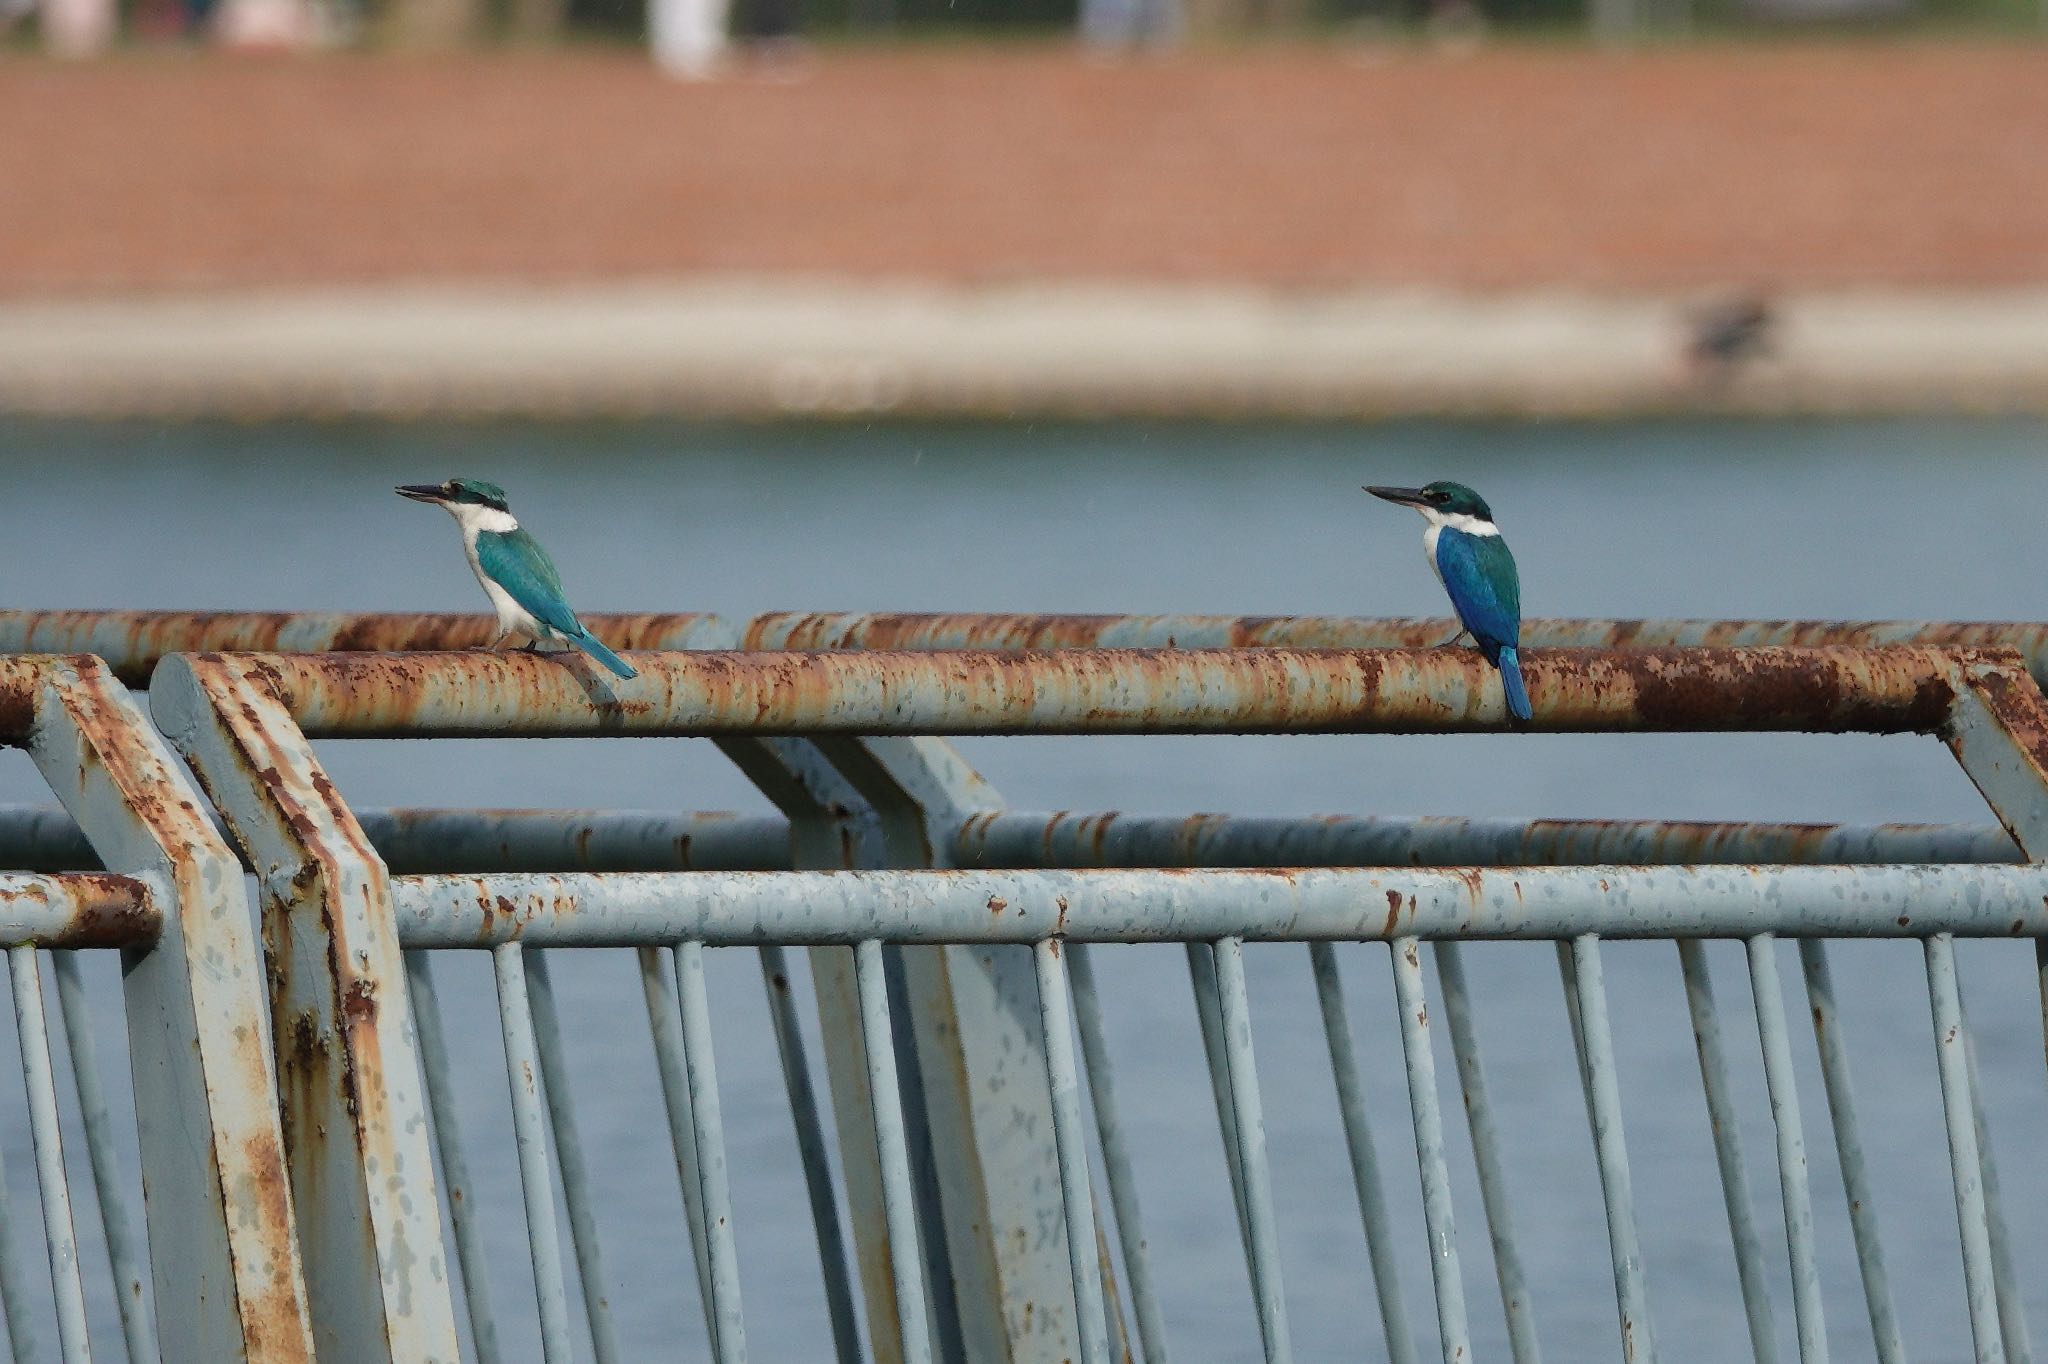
[
  {"x": 1111, "y": 24},
  {"x": 688, "y": 37},
  {"x": 77, "y": 28}
]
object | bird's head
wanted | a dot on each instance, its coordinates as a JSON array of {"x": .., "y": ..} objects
[
  {"x": 457, "y": 493},
  {"x": 1440, "y": 500}
]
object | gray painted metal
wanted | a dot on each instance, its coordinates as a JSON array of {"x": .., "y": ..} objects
[
  {"x": 1063, "y": 1075},
  {"x": 1586, "y": 1004},
  {"x": 45, "y": 839},
  {"x": 1251, "y": 1150},
  {"x": 1965, "y": 1163},
  {"x": 2012, "y": 1314},
  {"x": 1516, "y": 1303},
  {"x": 1365, "y": 1166},
  {"x": 1209, "y": 1019},
  {"x": 59, "y": 1232},
  {"x": 707, "y": 1124},
  {"x": 1784, "y": 1093},
  {"x": 1116, "y": 1156},
  {"x": 205, "y": 1088},
  {"x": 1856, "y": 1183},
  {"x": 570, "y": 1161},
  {"x": 665, "y": 1025},
  {"x": 522, "y": 1072},
  {"x": 1453, "y": 1334},
  {"x": 1342, "y": 904},
  {"x": 362, "y": 1169},
  {"x": 456, "y": 1184},
  {"x": 125, "y": 1256},
  {"x": 904, "y": 1259},
  {"x": 16, "y": 1296},
  {"x": 1721, "y": 1120}
]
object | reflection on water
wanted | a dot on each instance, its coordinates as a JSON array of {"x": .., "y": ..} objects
[{"x": 1907, "y": 519}]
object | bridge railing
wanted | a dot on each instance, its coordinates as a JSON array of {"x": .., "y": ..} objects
[
  {"x": 244, "y": 722},
  {"x": 224, "y": 1282},
  {"x": 845, "y": 745}
]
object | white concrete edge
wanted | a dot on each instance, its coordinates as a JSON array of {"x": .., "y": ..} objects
[{"x": 763, "y": 348}]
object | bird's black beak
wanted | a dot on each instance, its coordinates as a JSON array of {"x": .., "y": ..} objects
[
  {"x": 1407, "y": 497},
  {"x": 420, "y": 492}
]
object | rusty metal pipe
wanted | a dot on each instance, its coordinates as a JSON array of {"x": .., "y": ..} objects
[
  {"x": 841, "y": 907},
  {"x": 1888, "y": 690},
  {"x": 133, "y": 642},
  {"x": 77, "y": 909},
  {"x": 964, "y": 630},
  {"x": 45, "y": 838}
]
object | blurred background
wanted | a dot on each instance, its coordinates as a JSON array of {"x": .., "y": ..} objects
[{"x": 1730, "y": 307}]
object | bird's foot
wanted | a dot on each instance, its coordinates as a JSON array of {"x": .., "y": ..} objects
[{"x": 1457, "y": 640}]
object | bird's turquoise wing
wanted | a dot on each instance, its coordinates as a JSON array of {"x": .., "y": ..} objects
[
  {"x": 518, "y": 564},
  {"x": 1480, "y": 576}
]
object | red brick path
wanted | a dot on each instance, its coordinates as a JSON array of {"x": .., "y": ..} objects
[{"x": 1808, "y": 165}]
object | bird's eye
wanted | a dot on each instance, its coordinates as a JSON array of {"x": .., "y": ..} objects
[{"x": 1439, "y": 497}]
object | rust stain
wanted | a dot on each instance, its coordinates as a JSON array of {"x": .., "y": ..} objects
[{"x": 1393, "y": 911}]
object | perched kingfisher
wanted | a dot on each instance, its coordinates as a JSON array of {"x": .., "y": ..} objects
[
  {"x": 1472, "y": 562},
  {"x": 517, "y": 574}
]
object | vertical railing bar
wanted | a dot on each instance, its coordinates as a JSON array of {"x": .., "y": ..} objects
[
  {"x": 2012, "y": 1310},
  {"x": 32, "y": 1030},
  {"x": 1365, "y": 1166},
  {"x": 1580, "y": 960},
  {"x": 1116, "y": 1155},
  {"x": 905, "y": 1262},
  {"x": 1784, "y": 1095},
  {"x": 1722, "y": 1119},
  {"x": 1423, "y": 1108},
  {"x": 1209, "y": 1015},
  {"x": 1517, "y": 1305},
  {"x": 729, "y": 1340},
  {"x": 455, "y": 1181},
  {"x": 1075, "y": 1196},
  {"x": 1112, "y": 1301},
  {"x": 1856, "y": 1186},
  {"x": 570, "y": 1160},
  {"x": 15, "y": 1294},
  {"x": 125, "y": 1256},
  {"x": 1945, "y": 1003},
  {"x": 810, "y": 1145},
  {"x": 1251, "y": 1145},
  {"x": 529, "y": 1126},
  {"x": 665, "y": 1025}
]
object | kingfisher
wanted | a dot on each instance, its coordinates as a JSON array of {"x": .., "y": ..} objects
[
  {"x": 517, "y": 574},
  {"x": 1473, "y": 563}
]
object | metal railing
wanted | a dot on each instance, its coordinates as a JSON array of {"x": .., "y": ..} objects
[
  {"x": 225, "y": 1278},
  {"x": 844, "y": 744}
]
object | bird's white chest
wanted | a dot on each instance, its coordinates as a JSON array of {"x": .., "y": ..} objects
[
  {"x": 1430, "y": 535},
  {"x": 512, "y": 617}
]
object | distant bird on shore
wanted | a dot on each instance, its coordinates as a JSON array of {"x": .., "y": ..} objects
[
  {"x": 1723, "y": 334},
  {"x": 516, "y": 573},
  {"x": 1473, "y": 563}
]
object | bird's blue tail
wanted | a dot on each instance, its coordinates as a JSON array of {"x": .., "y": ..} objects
[
  {"x": 1510, "y": 664},
  {"x": 593, "y": 646}
]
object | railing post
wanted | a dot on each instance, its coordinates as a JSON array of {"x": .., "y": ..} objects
[
  {"x": 225, "y": 1266},
  {"x": 981, "y": 1057},
  {"x": 356, "y": 1122}
]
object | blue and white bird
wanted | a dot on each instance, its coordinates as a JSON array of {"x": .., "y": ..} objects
[
  {"x": 1472, "y": 562},
  {"x": 517, "y": 574}
]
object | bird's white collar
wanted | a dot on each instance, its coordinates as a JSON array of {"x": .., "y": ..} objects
[
  {"x": 1460, "y": 521},
  {"x": 474, "y": 517}
]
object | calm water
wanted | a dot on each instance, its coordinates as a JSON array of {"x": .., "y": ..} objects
[{"x": 1837, "y": 520}]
